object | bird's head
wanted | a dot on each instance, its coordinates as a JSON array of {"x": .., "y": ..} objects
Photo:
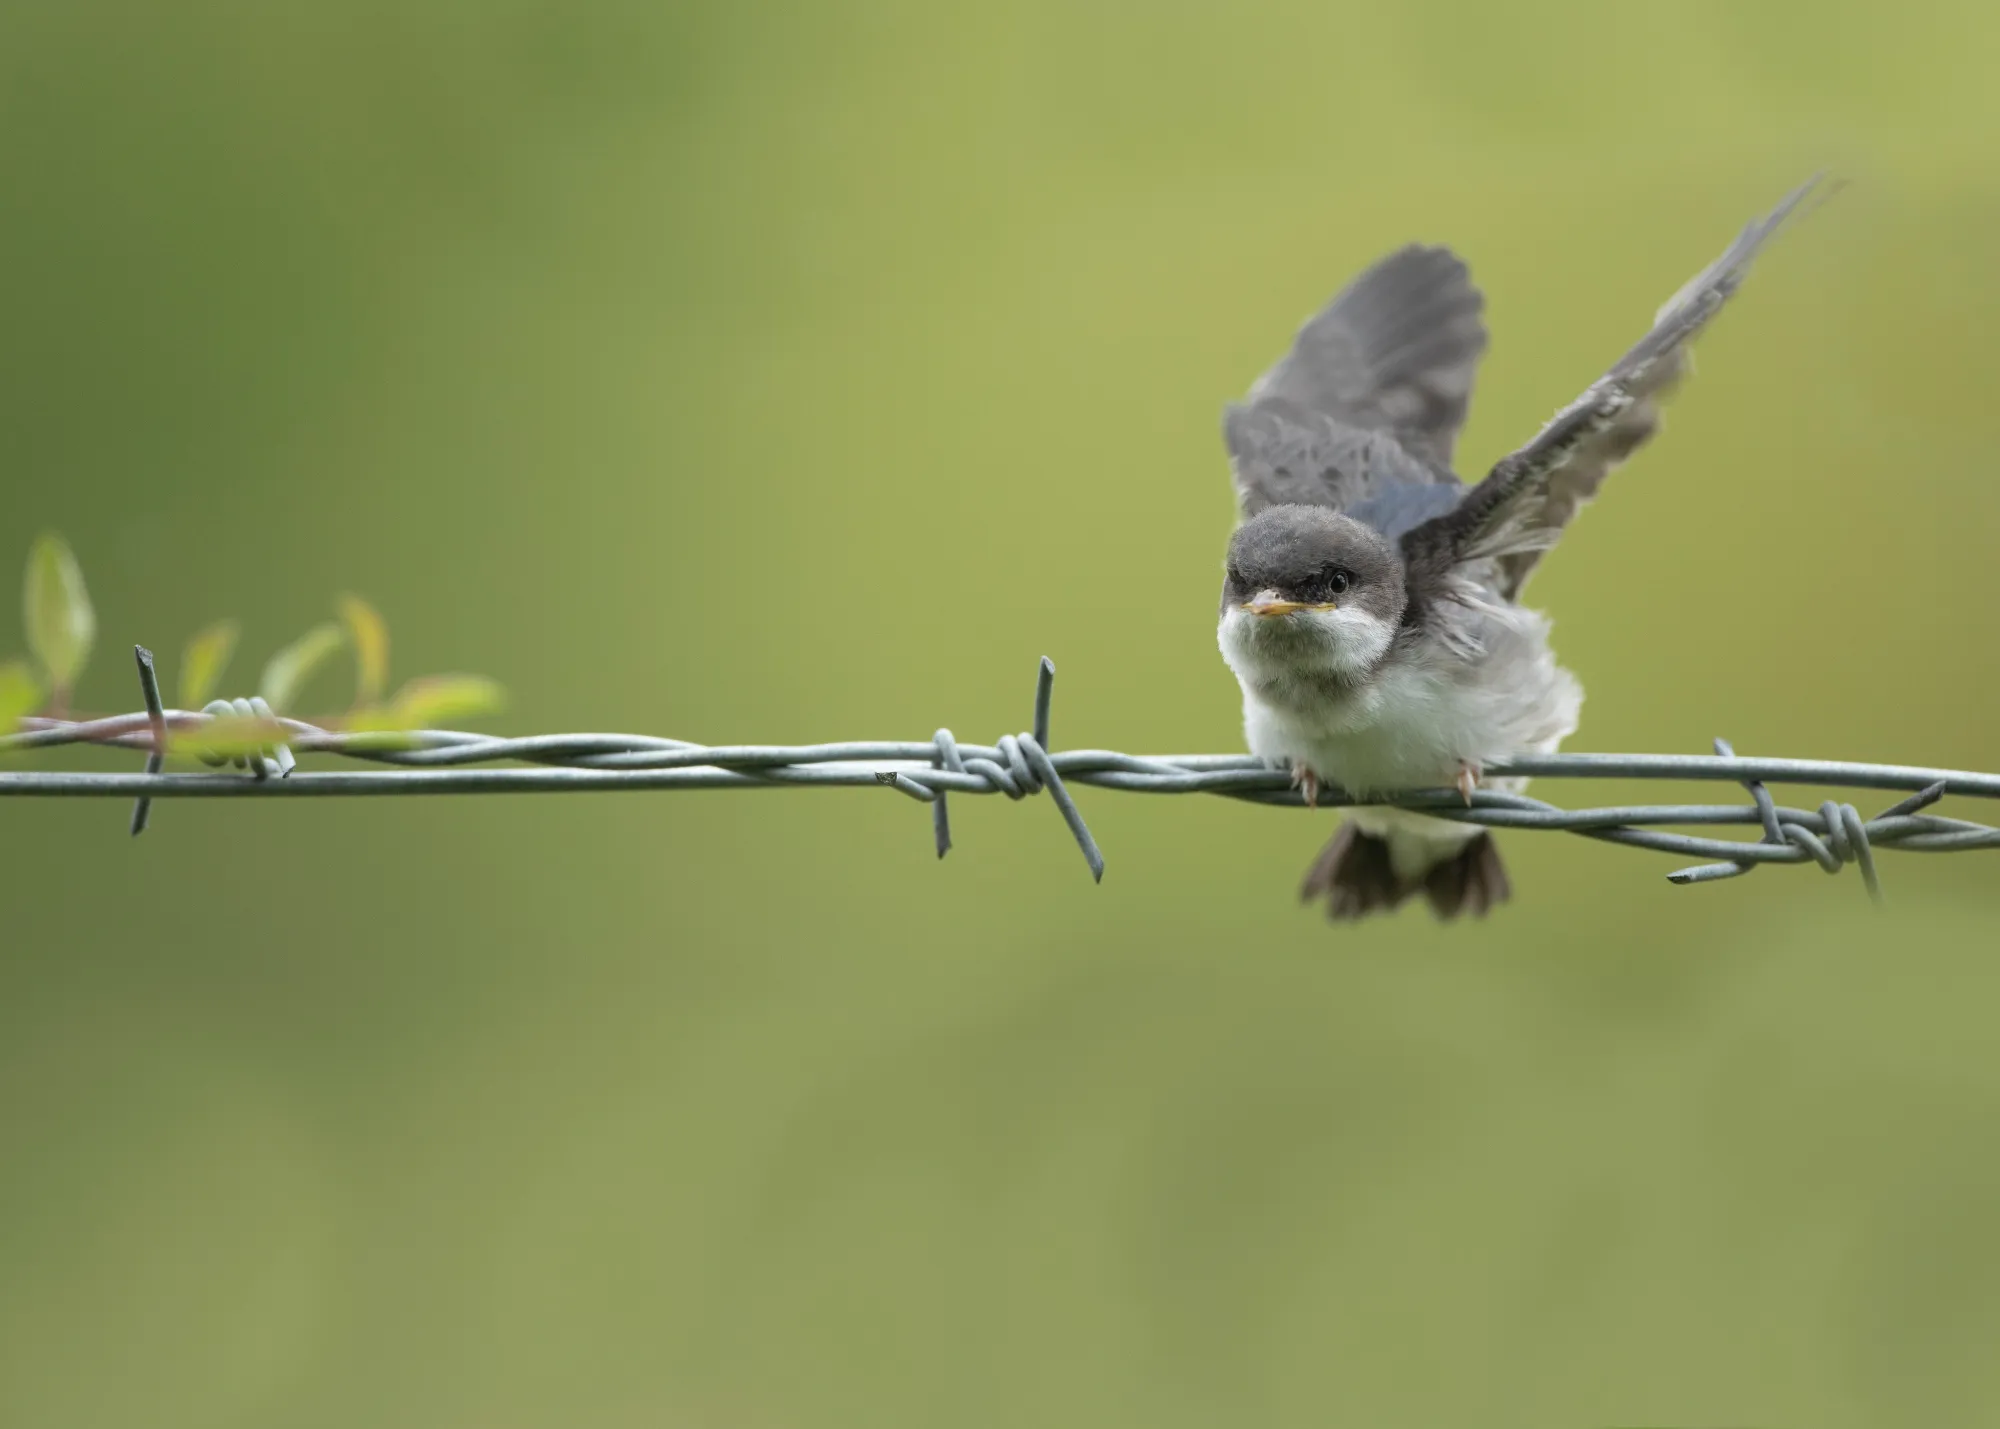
[{"x": 1309, "y": 590}]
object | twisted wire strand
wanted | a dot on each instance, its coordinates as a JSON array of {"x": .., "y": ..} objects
[{"x": 1017, "y": 766}]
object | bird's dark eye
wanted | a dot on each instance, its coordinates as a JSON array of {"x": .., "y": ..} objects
[{"x": 1332, "y": 581}]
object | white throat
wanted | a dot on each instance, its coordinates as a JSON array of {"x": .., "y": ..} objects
[{"x": 1305, "y": 653}]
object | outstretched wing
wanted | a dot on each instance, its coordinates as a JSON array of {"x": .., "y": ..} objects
[
  {"x": 1282, "y": 455},
  {"x": 1373, "y": 390},
  {"x": 1521, "y": 507}
]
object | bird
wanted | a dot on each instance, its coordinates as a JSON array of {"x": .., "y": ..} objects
[{"x": 1371, "y": 600}]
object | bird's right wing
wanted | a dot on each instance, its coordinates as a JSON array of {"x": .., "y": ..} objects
[
  {"x": 1374, "y": 389},
  {"x": 1524, "y": 503}
]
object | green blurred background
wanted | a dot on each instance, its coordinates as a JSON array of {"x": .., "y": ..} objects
[{"x": 793, "y": 372}]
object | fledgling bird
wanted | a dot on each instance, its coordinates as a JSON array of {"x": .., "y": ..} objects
[{"x": 1371, "y": 601}]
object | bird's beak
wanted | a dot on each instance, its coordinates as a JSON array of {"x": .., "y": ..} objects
[{"x": 1268, "y": 602}]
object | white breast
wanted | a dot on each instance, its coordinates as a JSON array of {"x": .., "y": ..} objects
[{"x": 1419, "y": 717}]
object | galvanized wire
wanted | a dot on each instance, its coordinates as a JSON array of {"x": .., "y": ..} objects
[{"x": 1017, "y": 765}]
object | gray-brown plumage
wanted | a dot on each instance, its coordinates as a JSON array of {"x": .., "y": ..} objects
[
  {"x": 1394, "y": 353},
  {"x": 1370, "y": 605},
  {"x": 1372, "y": 395}
]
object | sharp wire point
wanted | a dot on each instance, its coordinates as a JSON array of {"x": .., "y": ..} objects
[
  {"x": 1917, "y": 802},
  {"x": 1708, "y": 872},
  {"x": 156, "y": 716},
  {"x": 1044, "y": 767},
  {"x": 1045, "y": 688},
  {"x": 903, "y": 784}
]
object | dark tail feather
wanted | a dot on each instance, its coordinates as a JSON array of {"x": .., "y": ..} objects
[
  {"x": 1473, "y": 882},
  {"x": 1355, "y": 876}
]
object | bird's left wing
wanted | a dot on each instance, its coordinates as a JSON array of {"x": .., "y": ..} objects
[
  {"x": 1282, "y": 454},
  {"x": 1521, "y": 507},
  {"x": 1371, "y": 394}
]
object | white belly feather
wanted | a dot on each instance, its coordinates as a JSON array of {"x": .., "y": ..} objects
[{"x": 1413, "y": 723}]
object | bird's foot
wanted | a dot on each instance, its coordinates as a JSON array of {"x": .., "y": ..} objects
[
  {"x": 1307, "y": 783},
  {"x": 1468, "y": 780}
]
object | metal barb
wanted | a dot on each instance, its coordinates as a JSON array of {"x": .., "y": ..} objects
[
  {"x": 1038, "y": 759},
  {"x": 1032, "y": 749},
  {"x": 1023, "y": 768},
  {"x": 902, "y": 782},
  {"x": 156, "y": 715},
  {"x": 1045, "y": 690},
  {"x": 1767, "y": 812},
  {"x": 947, "y": 758},
  {"x": 1916, "y": 803}
]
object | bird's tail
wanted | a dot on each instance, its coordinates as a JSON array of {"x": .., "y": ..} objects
[{"x": 1357, "y": 875}]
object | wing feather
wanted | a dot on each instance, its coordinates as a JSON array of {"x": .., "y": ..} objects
[
  {"x": 1521, "y": 507},
  {"x": 1372, "y": 393}
]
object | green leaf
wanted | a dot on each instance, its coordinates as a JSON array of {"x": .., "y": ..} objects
[
  {"x": 61, "y": 624},
  {"x": 202, "y": 664},
  {"x": 20, "y": 694},
  {"x": 292, "y": 666},
  {"x": 433, "y": 701},
  {"x": 369, "y": 636}
]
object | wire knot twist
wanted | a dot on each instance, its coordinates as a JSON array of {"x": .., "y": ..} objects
[
  {"x": 1027, "y": 769},
  {"x": 1840, "y": 838},
  {"x": 263, "y": 761}
]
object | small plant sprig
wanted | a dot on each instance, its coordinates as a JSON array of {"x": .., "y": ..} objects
[{"x": 61, "y": 627}]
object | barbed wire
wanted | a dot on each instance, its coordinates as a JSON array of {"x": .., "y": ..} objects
[{"x": 435, "y": 761}]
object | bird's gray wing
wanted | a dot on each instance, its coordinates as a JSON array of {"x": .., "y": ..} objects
[
  {"x": 1283, "y": 455},
  {"x": 1521, "y": 507},
  {"x": 1387, "y": 365}
]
